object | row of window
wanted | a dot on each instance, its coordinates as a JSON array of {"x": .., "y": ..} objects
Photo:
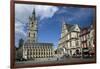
[
  {"x": 69, "y": 36},
  {"x": 86, "y": 44},
  {"x": 73, "y": 43},
  {"x": 30, "y": 46},
  {"x": 38, "y": 49},
  {"x": 85, "y": 37},
  {"x": 39, "y": 53}
]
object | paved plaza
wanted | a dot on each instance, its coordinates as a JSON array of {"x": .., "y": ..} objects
[{"x": 58, "y": 61}]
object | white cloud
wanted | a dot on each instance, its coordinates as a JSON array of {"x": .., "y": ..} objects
[
  {"x": 19, "y": 27},
  {"x": 22, "y": 13},
  {"x": 19, "y": 35},
  {"x": 19, "y": 32},
  {"x": 45, "y": 11}
]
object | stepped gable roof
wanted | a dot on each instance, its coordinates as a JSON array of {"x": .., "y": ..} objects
[
  {"x": 85, "y": 28},
  {"x": 70, "y": 27},
  {"x": 73, "y": 27}
]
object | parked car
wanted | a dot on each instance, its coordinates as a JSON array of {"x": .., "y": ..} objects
[{"x": 85, "y": 53}]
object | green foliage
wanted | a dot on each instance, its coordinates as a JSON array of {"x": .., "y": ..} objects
[{"x": 21, "y": 41}]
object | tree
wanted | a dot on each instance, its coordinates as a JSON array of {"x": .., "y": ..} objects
[
  {"x": 21, "y": 41},
  {"x": 19, "y": 50}
]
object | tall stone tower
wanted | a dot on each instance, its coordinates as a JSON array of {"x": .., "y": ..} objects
[
  {"x": 32, "y": 28},
  {"x": 64, "y": 29}
]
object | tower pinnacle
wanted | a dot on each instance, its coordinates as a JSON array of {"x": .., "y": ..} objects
[{"x": 33, "y": 14}]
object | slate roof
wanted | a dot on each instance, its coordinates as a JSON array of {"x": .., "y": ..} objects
[{"x": 70, "y": 27}]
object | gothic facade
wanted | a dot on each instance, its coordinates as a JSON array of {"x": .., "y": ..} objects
[
  {"x": 70, "y": 41},
  {"x": 31, "y": 48}
]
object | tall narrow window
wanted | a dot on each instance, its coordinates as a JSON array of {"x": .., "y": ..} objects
[
  {"x": 32, "y": 24},
  {"x": 29, "y": 34},
  {"x": 34, "y": 34}
]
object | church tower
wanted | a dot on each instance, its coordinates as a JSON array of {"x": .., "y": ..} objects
[
  {"x": 32, "y": 28},
  {"x": 64, "y": 29}
]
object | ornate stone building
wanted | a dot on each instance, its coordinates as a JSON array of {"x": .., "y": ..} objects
[
  {"x": 38, "y": 50},
  {"x": 84, "y": 36},
  {"x": 32, "y": 48},
  {"x": 70, "y": 40},
  {"x": 87, "y": 40}
]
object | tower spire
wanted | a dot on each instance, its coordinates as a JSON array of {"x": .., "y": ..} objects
[
  {"x": 32, "y": 35},
  {"x": 34, "y": 14}
]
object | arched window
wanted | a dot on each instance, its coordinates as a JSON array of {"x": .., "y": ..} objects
[{"x": 32, "y": 24}]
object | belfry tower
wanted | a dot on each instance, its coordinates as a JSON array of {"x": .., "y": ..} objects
[{"x": 32, "y": 28}]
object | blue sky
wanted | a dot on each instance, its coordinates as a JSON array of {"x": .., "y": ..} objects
[{"x": 50, "y": 19}]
